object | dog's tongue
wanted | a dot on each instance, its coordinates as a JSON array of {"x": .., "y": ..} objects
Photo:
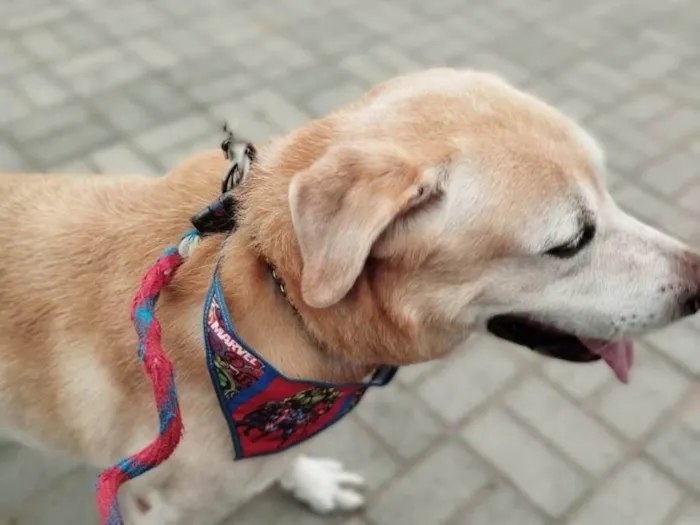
[{"x": 619, "y": 355}]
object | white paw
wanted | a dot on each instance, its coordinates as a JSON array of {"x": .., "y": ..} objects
[{"x": 324, "y": 485}]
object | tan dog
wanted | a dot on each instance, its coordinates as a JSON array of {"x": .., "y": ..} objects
[{"x": 439, "y": 204}]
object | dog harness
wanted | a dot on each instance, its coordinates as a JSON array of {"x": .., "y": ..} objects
[{"x": 266, "y": 411}]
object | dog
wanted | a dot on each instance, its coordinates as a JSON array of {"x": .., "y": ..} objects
[{"x": 439, "y": 204}]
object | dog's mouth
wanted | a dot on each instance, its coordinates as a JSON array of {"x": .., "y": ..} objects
[{"x": 552, "y": 342}]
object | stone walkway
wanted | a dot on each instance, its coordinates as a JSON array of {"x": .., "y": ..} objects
[{"x": 494, "y": 436}]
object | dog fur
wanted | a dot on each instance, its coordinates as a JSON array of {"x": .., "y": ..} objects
[{"x": 400, "y": 223}]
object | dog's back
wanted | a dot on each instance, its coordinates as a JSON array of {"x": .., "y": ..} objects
[{"x": 62, "y": 251}]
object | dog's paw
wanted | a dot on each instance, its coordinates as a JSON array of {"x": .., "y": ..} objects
[{"x": 324, "y": 485}]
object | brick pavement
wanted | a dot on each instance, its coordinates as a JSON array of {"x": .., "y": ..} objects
[{"x": 493, "y": 436}]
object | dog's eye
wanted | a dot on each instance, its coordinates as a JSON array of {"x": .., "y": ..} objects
[{"x": 571, "y": 248}]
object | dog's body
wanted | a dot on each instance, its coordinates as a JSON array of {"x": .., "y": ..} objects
[{"x": 400, "y": 224}]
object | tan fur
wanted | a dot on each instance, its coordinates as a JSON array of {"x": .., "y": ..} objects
[{"x": 389, "y": 220}]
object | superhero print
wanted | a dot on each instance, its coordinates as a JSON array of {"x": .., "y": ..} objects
[{"x": 292, "y": 415}]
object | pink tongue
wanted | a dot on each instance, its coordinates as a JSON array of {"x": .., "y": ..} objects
[{"x": 619, "y": 355}]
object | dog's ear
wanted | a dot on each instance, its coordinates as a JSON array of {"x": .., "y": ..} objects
[{"x": 340, "y": 205}]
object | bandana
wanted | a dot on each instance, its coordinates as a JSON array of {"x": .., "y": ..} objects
[{"x": 267, "y": 412}]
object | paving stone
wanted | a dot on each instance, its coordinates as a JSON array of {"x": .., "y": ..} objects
[
  {"x": 546, "y": 479},
  {"x": 677, "y": 448},
  {"x": 75, "y": 167},
  {"x": 276, "y": 508},
  {"x": 656, "y": 211},
  {"x": 578, "y": 435},
  {"x": 98, "y": 70},
  {"x": 578, "y": 380},
  {"x": 13, "y": 105},
  {"x": 391, "y": 412},
  {"x": 122, "y": 159},
  {"x": 276, "y": 110},
  {"x": 12, "y": 58},
  {"x": 360, "y": 452},
  {"x": 11, "y": 160},
  {"x": 576, "y": 107},
  {"x": 81, "y": 34},
  {"x": 231, "y": 28},
  {"x": 413, "y": 374},
  {"x": 468, "y": 380},
  {"x": 654, "y": 65},
  {"x": 159, "y": 96},
  {"x": 503, "y": 506},
  {"x": 305, "y": 82},
  {"x": 128, "y": 19},
  {"x": 672, "y": 174},
  {"x": 41, "y": 124},
  {"x": 330, "y": 100},
  {"x": 173, "y": 133},
  {"x": 495, "y": 63},
  {"x": 675, "y": 126},
  {"x": 631, "y": 134},
  {"x": 154, "y": 53},
  {"x": 184, "y": 42},
  {"x": 71, "y": 500},
  {"x": 273, "y": 57},
  {"x": 41, "y": 90},
  {"x": 654, "y": 387},
  {"x": 690, "y": 196},
  {"x": 44, "y": 44},
  {"x": 441, "y": 482},
  {"x": 123, "y": 112},
  {"x": 36, "y": 15},
  {"x": 329, "y": 36},
  {"x": 691, "y": 415},
  {"x": 645, "y": 106},
  {"x": 220, "y": 88},
  {"x": 253, "y": 125},
  {"x": 194, "y": 71},
  {"x": 683, "y": 82},
  {"x": 587, "y": 32},
  {"x": 638, "y": 495},
  {"x": 538, "y": 51},
  {"x": 287, "y": 12},
  {"x": 596, "y": 81},
  {"x": 378, "y": 64},
  {"x": 690, "y": 515},
  {"x": 72, "y": 142},
  {"x": 173, "y": 156},
  {"x": 385, "y": 18},
  {"x": 679, "y": 343},
  {"x": 24, "y": 472}
]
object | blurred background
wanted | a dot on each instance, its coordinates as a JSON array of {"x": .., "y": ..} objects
[{"x": 494, "y": 436}]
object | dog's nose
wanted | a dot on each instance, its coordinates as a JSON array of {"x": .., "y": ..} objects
[{"x": 692, "y": 304}]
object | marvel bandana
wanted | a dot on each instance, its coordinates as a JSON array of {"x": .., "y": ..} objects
[{"x": 267, "y": 412}]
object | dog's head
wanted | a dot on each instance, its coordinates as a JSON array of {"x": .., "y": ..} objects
[{"x": 444, "y": 202}]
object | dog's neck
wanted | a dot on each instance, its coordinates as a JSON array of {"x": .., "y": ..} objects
[{"x": 261, "y": 313}]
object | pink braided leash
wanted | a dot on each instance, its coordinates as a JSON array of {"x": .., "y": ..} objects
[{"x": 160, "y": 371}]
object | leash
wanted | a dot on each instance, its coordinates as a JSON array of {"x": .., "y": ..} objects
[
  {"x": 159, "y": 370},
  {"x": 218, "y": 217}
]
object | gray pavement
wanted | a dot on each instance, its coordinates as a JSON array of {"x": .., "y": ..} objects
[{"x": 494, "y": 436}]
